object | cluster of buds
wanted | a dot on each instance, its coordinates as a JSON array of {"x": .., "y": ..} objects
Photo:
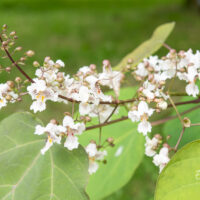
[{"x": 8, "y": 42}]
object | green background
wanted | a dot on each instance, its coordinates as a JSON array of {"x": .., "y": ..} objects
[{"x": 85, "y": 32}]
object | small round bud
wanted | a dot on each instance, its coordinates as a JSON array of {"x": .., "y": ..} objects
[
  {"x": 47, "y": 59},
  {"x": 92, "y": 67},
  {"x": 15, "y": 37},
  {"x": 30, "y": 53},
  {"x": 88, "y": 119},
  {"x": 11, "y": 84},
  {"x": 5, "y": 43},
  {"x": 18, "y": 49},
  {"x": 54, "y": 121},
  {"x": 158, "y": 136},
  {"x": 8, "y": 69},
  {"x": 106, "y": 62},
  {"x": 36, "y": 64},
  {"x": 18, "y": 80},
  {"x": 5, "y": 26},
  {"x": 110, "y": 140},
  {"x": 186, "y": 122},
  {"x": 8, "y": 97},
  {"x": 22, "y": 59},
  {"x": 12, "y": 33},
  {"x": 163, "y": 105},
  {"x": 166, "y": 145},
  {"x": 172, "y": 51}
]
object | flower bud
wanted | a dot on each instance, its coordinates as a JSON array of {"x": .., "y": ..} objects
[
  {"x": 18, "y": 49},
  {"x": 54, "y": 121},
  {"x": 8, "y": 97},
  {"x": 186, "y": 122},
  {"x": 36, "y": 64},
  {"x": 11, "y": 84},
  {"x": 106, "y": 62},
  {"x": 18, "y": 80},
  {"x": 8, "y": 69},
  {"x": 12, "y": 33},
  {"x": 110, "y": 140},
  {"x": 162, "y": 105},
  {"x": 5, "y": 43},
  {"x": 30, "y": 53},
  {"x": 92, "y": 67}
]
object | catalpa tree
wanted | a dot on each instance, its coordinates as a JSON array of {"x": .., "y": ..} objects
[{"x": 101, "y": 140}]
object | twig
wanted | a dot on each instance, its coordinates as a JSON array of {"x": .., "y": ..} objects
[
  {"x": 179, "y": 139},
  {"x": 111, "y": 114},
  {"x": 174, "y": 106}
]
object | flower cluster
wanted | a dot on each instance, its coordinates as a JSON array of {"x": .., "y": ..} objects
[
  {"x": 56, "y": 132},
  {"x": 87, "y": 89},
  {"x": 152, "y": 146},
  {"x": 7, "y": 94}
]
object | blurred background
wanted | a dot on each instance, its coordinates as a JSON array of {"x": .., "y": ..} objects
[{"x": 84, "y": 32}]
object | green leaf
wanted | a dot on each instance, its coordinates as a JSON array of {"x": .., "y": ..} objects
[
  {"x": 25, "y": 174},
  {"x": 181, "y": 177},
  {"x": 174, "y": 127},
  {"x": 148, "y": 47},
  {"x": 119, "y": 168}
]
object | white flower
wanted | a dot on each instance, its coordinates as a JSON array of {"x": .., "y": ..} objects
[
  {"x": 192, "y": 89},
  {"x": 150, "y": 146},
  {"x": 71, "y": 142},
  {"x": 144, "y": 127},
  {"x": 94, "y": 155},
  {"x": 162, "y": 158},
  {"x": 148, "y": 90},
  {"x": 142, "y": 114},
  {"x": 61, "y": 63},
  {"x": 72, "y": 131},
  {"x": 41, "y": 93},
  {"x": 141, "y": 70},
  {"x": 54, "y": 134},
  {"x": 110, "y": 78},
  {"x": 91, "y": 149},
  {"x": 5, "y": 90}
]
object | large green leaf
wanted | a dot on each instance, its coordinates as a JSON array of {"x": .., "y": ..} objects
[
  {"x": 25, "y": 174},
  {"x": 174, "y": 127},
  {"x": 180, "y": 180},
  {"x": 119, "y": 168},
  {"x": 148, "y": 47}
]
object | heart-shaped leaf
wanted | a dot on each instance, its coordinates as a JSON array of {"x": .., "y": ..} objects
[
  {"x": 26, "y": 174},
  {"x": 180, "y": 179}
]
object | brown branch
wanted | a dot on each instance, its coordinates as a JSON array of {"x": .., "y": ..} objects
[
  {"x": 155, "y": 123},
  {"x": 111, "y": 114},
  {"x": 185, "y": 102},
  {"x": 14, "y": 63}
]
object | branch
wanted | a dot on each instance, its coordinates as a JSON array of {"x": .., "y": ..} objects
[{"x": 155, "y": 123}]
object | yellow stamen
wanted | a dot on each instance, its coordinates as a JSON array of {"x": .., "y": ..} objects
[
  {"x": 50, "y": 139},
  {"x": 43, "y": 97},
  {"x": 1, "y": 100}
]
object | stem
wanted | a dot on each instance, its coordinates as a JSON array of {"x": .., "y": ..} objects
[
  {"x": 15, "y": 64},
  {"x": 179, "y": 139},
  {"x": 111, "y": 114},
  {"x": 176, "y": 111}
]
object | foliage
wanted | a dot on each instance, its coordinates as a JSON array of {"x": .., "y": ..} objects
[
  {"x": 180, "y": 179},
  {"x": 26, "y": 174}
]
